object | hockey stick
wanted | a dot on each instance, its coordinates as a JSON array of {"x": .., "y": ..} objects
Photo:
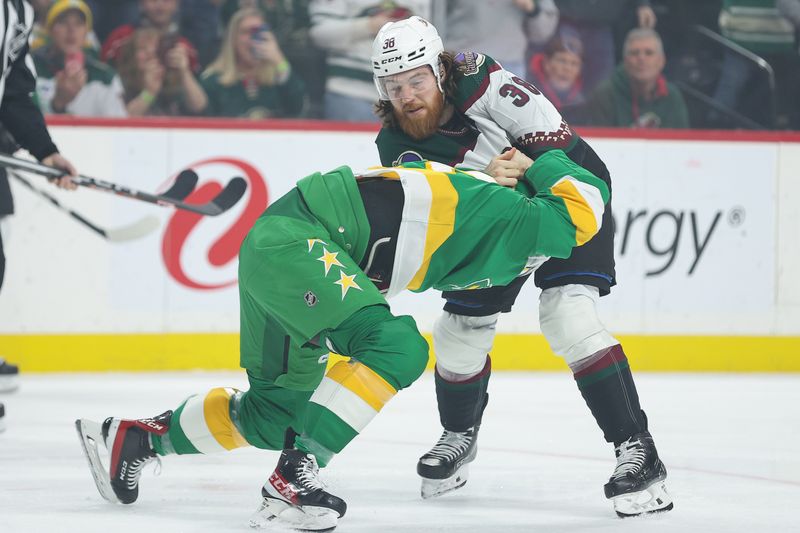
[
  {"x": 223, "y": 201},
  {"x": 184, "y": 184},
  {"x": 137, "y": 230}
]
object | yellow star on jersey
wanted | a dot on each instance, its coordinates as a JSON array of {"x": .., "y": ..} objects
[
  {"x": 312, "y": 242},
  {"x": 347, "y": 283},
  {"x": 329, "y": 259}
]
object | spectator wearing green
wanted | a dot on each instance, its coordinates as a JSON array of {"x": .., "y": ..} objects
[
  {"x": 251, "y": 76},
  {"x": 71, "y": 79},
  {"x": 638, "y": 94}
]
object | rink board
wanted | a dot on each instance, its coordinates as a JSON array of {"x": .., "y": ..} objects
[
  {"x": 705, "y": 248},
  {"x": 66, "y": 353}
]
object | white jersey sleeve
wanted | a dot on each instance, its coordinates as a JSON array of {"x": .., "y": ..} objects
[{"x": 505, "y": 105}]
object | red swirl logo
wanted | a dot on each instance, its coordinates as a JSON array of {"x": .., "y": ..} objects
[{"x": 223, "y": 249}]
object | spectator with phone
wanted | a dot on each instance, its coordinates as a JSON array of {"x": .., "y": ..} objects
[
  {"x": 157, "y": 76},
  {"x": 251, "y": 76},
  {"x": 70, "y": 79},
  {"x": 291, "y": 25},
  {"x": 159, "y": 15}
]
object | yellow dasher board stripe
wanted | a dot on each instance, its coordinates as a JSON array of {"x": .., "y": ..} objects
[
  {"x": 521, "y": 351},
  {"x": 584, "y": 204}
]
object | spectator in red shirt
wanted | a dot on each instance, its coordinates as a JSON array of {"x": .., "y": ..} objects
[
  {"x": 557, "y": 71},
  {"x": 162, "y": 16}
]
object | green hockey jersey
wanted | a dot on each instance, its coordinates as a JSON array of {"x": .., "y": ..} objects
[{"x": 459, "y": 229}]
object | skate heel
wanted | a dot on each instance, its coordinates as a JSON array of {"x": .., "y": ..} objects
[
  {"x": 654, "y": 499},
  {"x": 445, "y": 467},
  {"x": 275, "y": 512},
  {"x": 90, "y": 433},
  {"x": 295, "y": 497},
  {"x": 637, "y": 485},
  {"x": 127, "y": 451},
  {"x": 433, "y": 488}
]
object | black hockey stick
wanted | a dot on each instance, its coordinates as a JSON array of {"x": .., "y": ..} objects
[
  {"x": 223, "y": 201},
  {"x": 183, "y": 186},
  {"x": 137, "y": 230}
]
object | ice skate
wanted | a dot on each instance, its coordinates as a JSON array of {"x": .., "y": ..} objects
[
  {"x": 128, "y": 450},
  {"x": 637, "y": 484},
  {"x": 9, "y": 376},
  {"x": 445, "y": 467},
  {"x": 295, "y": 497}
]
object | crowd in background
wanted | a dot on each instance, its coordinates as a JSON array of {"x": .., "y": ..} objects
[{"x": 625, "y": 63}]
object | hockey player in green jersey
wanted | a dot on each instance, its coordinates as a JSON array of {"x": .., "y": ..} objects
[
  {"x": 312, "y": 273},
  {"x": 465, "y": 109}
]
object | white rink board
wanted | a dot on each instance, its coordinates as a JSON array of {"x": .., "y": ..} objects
[{"x": 699, "y": 235}]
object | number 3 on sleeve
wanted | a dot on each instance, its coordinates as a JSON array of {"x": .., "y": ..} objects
[{"x": 520, "y": 97}]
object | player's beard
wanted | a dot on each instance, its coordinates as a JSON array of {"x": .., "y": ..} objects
[{"x": 421, "y": 127}]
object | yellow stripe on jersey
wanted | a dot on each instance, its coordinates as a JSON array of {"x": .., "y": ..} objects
[
  {"x": 384, "y": 173},
  {"x": 362, "y": 381},
  {"x": 218, "y": 419},
  {"x": 353, "y": 393},
  {"x": 441, "y": 220},
  {"x": 579, "y": 208}
]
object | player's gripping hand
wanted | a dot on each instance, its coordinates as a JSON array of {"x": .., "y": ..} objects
[
  {"x": 508, "y": 167},
  {"x": 59, "y": 161}
]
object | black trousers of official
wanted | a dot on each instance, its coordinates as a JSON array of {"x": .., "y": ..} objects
[{"x": 6, "y": 208}]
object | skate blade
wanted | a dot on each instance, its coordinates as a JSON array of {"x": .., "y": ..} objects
[
  {"x": 91, "y": 434},
  {"x": 654, "y": 499},
  {"x": 433, "y": 488},
  {"x": 278, "y": 515}
]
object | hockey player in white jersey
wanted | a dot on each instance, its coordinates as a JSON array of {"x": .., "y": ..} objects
[{"x": 463, "y": 110}]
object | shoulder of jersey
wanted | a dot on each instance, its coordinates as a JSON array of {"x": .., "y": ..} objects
[
  {"x": 469, "y": 63},
  {"x": 475, "y": 70}
]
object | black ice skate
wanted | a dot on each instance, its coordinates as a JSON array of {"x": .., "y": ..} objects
[
  {"x": 128, "y": 445},
  {"x": 445, "y": 467},
  {"x": 9, "y": 376},
  {"x": 294, "y": 496},
  {"x": 637, "y": 484}
]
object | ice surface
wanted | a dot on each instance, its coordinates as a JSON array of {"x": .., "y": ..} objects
[{"x": 731, "y": 444}]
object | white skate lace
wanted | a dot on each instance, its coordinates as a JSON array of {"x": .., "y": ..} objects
[
  {"x": 451, "y": 444},
  {"x": 630, "y": 458},
  {"x": 135, "y": 470},
  {"x": 307, "y": 474}
]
